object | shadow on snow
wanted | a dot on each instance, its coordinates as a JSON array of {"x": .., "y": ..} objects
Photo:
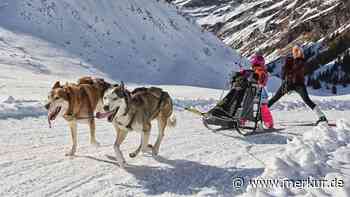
[{"x": 184, "y": 177}]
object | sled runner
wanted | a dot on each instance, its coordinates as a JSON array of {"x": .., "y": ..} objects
[
  {"x": 239, "y": 109},
  {"x": 307, "y": 124}
]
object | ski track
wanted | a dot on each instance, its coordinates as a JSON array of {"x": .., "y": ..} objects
[{"x": 192, "y": 161}]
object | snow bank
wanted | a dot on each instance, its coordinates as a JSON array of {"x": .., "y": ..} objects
[
  {"x": 319, "y": 154},
  {"x": 11, "y": 107}
]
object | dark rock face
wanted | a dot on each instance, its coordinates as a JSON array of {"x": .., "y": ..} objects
[
  {"x": 268, "y": 24},
  {"x": 200, "y": 3}
]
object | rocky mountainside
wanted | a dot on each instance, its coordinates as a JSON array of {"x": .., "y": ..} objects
[
  {"x": 267, "y": 24},
  {"x": 322, "y": 27}
]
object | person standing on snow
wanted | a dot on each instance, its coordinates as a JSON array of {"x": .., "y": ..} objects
[
  {"x": 258, "y": 65},
  {"x": 293, "y": 80}
]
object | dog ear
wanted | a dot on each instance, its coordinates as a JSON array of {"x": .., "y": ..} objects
[
  {"x": 107, "y": 85},
  {"x": 56, "y": 85},
  {"x": 67, "y": 92}
]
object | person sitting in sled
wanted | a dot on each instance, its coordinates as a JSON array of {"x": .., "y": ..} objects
[
  {"x": 258, "y": 66},
  {"x": 293, "y": 80}
]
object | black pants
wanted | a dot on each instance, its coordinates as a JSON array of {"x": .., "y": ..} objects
[{"x": 285, "y": 88}]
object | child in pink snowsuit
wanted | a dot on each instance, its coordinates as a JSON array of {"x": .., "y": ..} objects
[{"x": 258, "y": 65}]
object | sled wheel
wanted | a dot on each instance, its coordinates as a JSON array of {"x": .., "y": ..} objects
[{"x": 245, "y": 131}]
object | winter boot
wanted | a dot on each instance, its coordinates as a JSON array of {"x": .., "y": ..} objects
[
  {"x": 320, "y": 114},
  {"x": 266, "y": 116}
]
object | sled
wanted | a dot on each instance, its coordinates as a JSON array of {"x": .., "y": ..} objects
[
  {"x": 239, "y": 110},
  {"x": 232, "y": 125}
]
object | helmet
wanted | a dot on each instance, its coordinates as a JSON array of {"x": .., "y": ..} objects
[{"x": 257, "y": 60}]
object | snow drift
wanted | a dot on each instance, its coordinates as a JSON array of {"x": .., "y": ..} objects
[
  {"x": 141, "y": 41},
  {"x": 319, "y": 154},
  {"x": 11, "y": 107}
]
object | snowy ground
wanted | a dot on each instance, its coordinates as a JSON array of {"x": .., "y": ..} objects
[{"x": 192, "y": 161}]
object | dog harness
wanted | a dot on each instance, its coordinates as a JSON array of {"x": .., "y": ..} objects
[
  {"x": 161, "y": 97},
  {"x": 72, "y": 116}
]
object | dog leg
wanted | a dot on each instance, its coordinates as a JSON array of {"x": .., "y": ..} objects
[
  {"x": 162, "y": 122},
  {"x": 93, "y": 140},
  {"x": 73, "y": 130},
  {"x": 121, "y": 135},
  {"x": 137, "y": 151},
  {"x": 145, "y": 137},
  {"x": 146, "y": 132}
]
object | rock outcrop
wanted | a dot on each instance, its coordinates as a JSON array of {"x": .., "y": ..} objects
[{"x": 268, "y": 24}]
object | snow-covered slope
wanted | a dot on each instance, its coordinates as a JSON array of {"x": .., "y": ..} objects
[
  {"x": 141, "y": 41},
  {"x": 29, "y": 66},
  {"x": 193, "y": 161}
]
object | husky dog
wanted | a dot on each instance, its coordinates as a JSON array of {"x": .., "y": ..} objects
[
  {"x": 134, "y": 111},
  {"x": 76, "y": 103}
]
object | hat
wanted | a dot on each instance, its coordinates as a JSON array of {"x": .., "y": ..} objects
[{"x": 257, "y": 60}]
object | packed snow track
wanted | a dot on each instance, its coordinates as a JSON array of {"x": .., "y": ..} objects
[{"x": 192, "y": 161}]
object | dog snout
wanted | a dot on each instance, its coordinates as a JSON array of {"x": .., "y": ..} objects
[
  {"x": 47, "y": 106},
  {"x": 106, "y": 108}
]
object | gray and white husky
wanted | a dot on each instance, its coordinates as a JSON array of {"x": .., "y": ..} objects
[{"x": 134, "y": 111}]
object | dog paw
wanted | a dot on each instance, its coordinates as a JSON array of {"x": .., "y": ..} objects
[
  {"x": 69, "y": 154},
  {"x": 154, "y": 153},
  {"x": 132, "y": 155},
  {"x": 95, "y": 144}
]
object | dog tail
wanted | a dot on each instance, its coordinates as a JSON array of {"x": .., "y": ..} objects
[{"x": 172, "y": 121}]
